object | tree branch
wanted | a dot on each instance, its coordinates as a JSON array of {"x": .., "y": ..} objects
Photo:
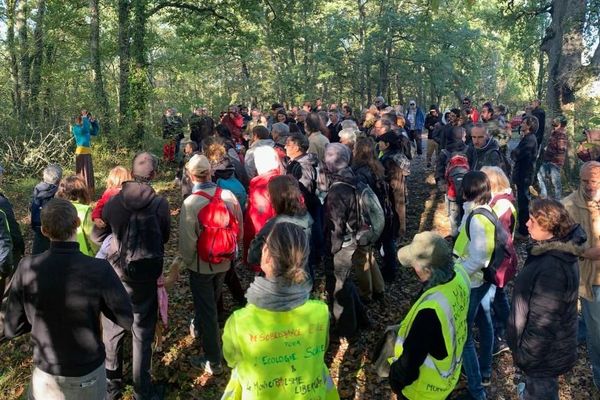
[
  {"x": 190, "y": 7},
  {"x": 528, "y": 12}
]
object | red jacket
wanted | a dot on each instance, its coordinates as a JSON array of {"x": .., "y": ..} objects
[
  {"x": 259, "y": 210},
  {"x": 234, "y": 122},
  {"x": 106, "y": 196}
]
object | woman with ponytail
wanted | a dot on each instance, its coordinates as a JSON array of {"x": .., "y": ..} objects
[{"x": 276, "y": 344}]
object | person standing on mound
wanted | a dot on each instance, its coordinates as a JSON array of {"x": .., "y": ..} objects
[{"x": 84, "y": 127}]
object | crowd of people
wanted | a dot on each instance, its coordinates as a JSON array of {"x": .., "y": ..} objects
[{"x": 292, "y": 194}]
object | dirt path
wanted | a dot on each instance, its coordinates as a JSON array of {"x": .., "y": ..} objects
[{"x": 350, "y": 366}]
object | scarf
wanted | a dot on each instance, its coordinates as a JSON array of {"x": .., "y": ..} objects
[{"x": 276, "y": 294}]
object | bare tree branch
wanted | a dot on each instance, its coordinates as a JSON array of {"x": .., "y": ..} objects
[
  {"x": 528, "y": 12},
  {"x": 190, "y": 7}
]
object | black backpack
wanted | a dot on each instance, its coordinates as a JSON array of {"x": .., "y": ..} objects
[
  {"x": 6, "y": 254},
  {"x": 143, "y": 237},
  {"x": 503, "y": 265}
]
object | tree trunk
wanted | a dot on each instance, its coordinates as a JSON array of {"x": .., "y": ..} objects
[
  {"x": 564, "y": 45},
  {"x": 37, "y": 61},
  {"x": 123, "y": 44},
  {"x": 14, "y": 64},
  {"x": 22, "y": 14},
  {"x": 362, "y": 37},
  {"x": 100, "y": 93},
  {"x": 138, "y": 77}
]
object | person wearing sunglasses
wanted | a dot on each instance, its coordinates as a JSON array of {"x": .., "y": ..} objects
[
  {"x": 415, "y": 121},
  {"x": 470, "y": 110}
]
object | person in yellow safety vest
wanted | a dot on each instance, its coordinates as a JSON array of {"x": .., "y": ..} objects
[
  {"x": 474, "y": 248},
  {"x": 74, "y": 189},
  {"x": 277, "y": 343},
  {"x": 428, "y": 351}
]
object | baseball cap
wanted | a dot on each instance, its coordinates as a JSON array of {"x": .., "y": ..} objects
[{"x": 198, "y": 165}]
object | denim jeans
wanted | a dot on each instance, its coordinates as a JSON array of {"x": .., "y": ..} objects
[
  {"x": 206, "y": 290},
  {"x": 552, "y": 171},
  {"x": 455, "y": 214},
  {"x": 501, "y": 311},
  {"x": 45, "y": 386},
  {"x": 591, "y": 314},
  {"x": 478, "y": 367},
  {"x": 538, "y": 388}
]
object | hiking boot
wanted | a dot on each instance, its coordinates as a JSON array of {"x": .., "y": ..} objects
[
  {"x": 500, "y": 347},
  {"x": 200, "y": 362},
  {"x": 485, "y": 382}
]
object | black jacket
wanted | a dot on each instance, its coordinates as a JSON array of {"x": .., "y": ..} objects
[
  {"x": 15, "y": 230},
  {"x": 136, "y": 196},
  {"x": 58, "y": 296},
  {"x": 425, "y": 337},
  {"x": 542, "y": 327},
  {"x": 489, "y": 155},
  {"x": 430, "y": 122},
  {"x": 524, "y": 156},
  {"x": 541, "y": 116},
  {"x": 304, "y": 169},
  {"x": 340, "y": 210}
]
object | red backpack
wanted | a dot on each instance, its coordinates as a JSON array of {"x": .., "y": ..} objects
[
  {"x": 218, "y": 240},
  {"x": 456, "y": 168}
]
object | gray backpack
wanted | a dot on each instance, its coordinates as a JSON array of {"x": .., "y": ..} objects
[{"x": 371, "y": 218}]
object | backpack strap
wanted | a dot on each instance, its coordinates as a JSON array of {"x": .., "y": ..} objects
[
  {"x": 207, "y": 196},
  {"x": 479, "y": 211},
  {"x": 502, "y": 196}
]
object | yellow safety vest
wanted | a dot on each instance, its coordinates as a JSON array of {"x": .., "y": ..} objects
[
  {"x": 461, "y": 246},
  {"x": 83, "y": 212},
  {"x": 278, "y": 354},
  {"x": 450, "y": 301}
]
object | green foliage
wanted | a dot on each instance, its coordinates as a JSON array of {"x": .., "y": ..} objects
[{"x": 219, "y": 52}]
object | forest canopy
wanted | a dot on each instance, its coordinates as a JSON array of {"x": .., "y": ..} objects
[{"x": 127, "y": 60}]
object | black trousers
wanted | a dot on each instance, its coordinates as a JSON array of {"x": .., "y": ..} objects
[
  {"x": 416, "y": 136},
  {"x": 145, "y": 315},
  {"x": 522, "y": 207},
  {"x": 348, "y": 311}
]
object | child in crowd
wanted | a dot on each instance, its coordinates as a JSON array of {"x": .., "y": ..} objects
[
  {"x": 43, "y": 192},
  {"x": 115, "y": 180},
  {"x": 74, "y": 189}
]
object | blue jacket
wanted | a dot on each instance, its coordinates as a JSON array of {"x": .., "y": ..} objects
[
  {"x": 85, "y": 131},
  {"x": 419, "y": 120}
]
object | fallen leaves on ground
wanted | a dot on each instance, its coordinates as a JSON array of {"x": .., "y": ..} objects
[{"x": 350, "y": 364}]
